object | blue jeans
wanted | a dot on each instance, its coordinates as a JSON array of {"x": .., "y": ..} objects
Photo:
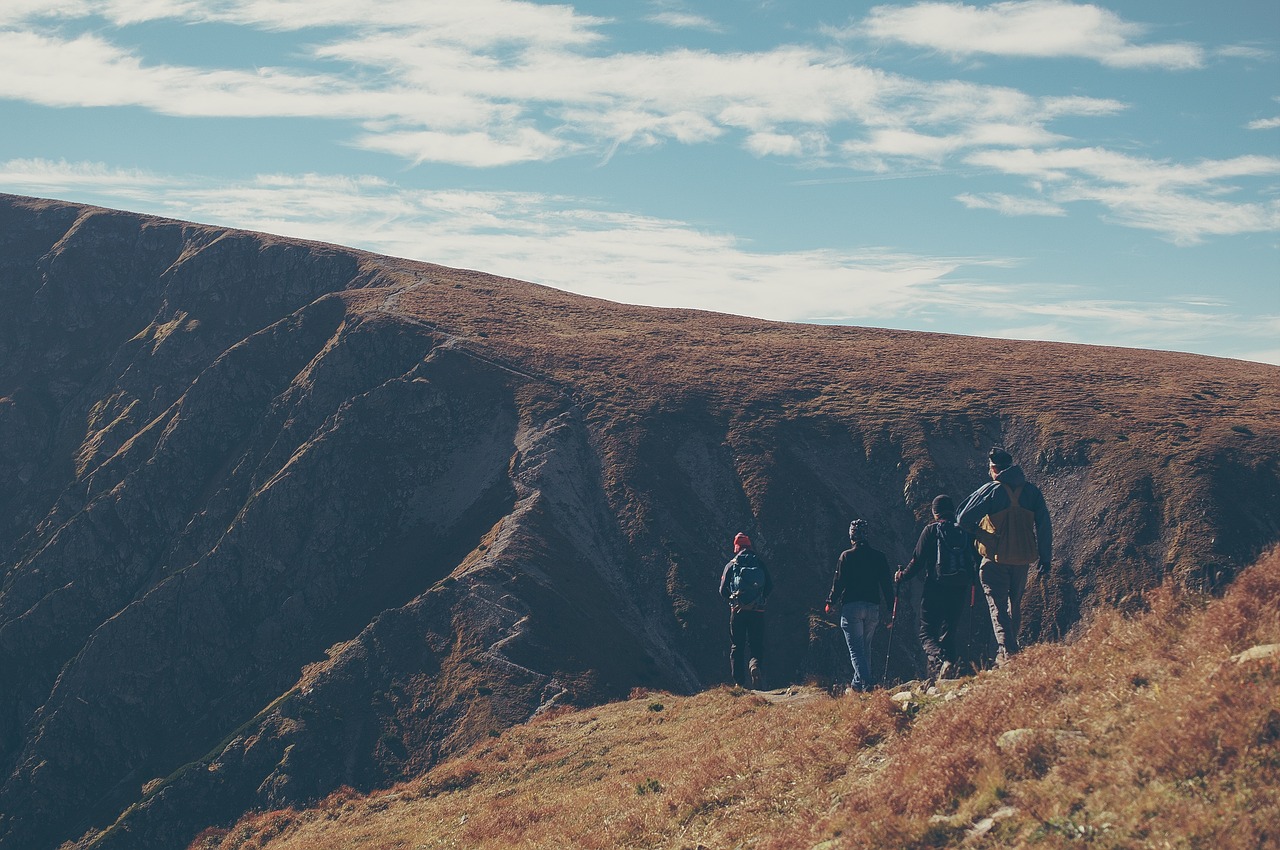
[{"x": 858, "y": 621}]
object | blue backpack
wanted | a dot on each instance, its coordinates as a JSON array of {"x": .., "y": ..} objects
[{"x": 746, "y": 585}]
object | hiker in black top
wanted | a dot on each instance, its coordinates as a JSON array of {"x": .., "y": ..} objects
[
  {"x": 863, "y": 578},
  {"x": 746, "y": 583},
  {"x": 946, "y": 555},
  {"x": 1010, "y": 520}
]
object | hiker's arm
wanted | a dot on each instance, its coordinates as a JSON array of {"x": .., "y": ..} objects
[
  {"x": 974, "y": 509},
  {"x": 768, "y": 581},
  {"x": 724, "y": 580},
  {"x": 832, "y": 599},
  {"x": 919, "y": 557},
  {"x": 1044, "y": 535}
]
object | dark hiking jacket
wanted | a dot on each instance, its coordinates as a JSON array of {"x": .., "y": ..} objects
[
  {"x": 992, "y": 498},
  {"x": 862, "y": 575},
  {"x": 925, "y": 558}
]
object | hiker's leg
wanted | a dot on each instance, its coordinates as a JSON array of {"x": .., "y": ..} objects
[
  {"x": 755, "y": 643},
  {"x": 870, "y": 619},
  {"x": 738, "y": 648},
  {"x": 954, "y": 603},
  {"x": 995, "y": 586},
  {"x": 853, "y": 624},
  {"x": 931, "y": 611},
  {"x": 1017, "y": 587}
]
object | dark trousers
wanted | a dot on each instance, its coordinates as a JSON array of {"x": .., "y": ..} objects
[
  {"x": 941, "y": 608},
  {"x": 746, "y": 646}
]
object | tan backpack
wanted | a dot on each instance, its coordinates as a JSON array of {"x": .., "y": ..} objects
[{"x": 1010, "y": 534}]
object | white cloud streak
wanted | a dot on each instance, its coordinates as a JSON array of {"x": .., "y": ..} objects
[
  {"x": 1032, "y": 29},
  {"x": 1184, "y": 203},
  {"x": 564, "y": 243},
  {"x": 429, "y": 80},
  {"x": 495, "y": 83}
]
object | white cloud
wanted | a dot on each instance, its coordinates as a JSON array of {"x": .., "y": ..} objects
[
  {"x": 40, "y": 176},
  {"x": 1031, "y": 28},
  {"x": 1264, "y": 123},
  {"x": 564, "y": 243},
  {"x": 439, "y": 83},
  {"x": 477, "y": 150},
  {"x": 1011, "y": 205},
  {"x": 1183, "y": 202},
  {"x": 685, "y": 20}
]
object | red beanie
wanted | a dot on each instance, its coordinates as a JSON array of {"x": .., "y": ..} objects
[{"x": 740, "y": 542}]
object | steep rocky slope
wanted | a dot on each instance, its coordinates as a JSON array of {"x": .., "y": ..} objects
[{"x": 277, "y": 516}]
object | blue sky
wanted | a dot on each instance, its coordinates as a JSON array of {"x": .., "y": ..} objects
[{"x": 1106, "y": 174}]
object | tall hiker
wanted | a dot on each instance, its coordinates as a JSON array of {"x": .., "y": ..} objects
[
  {"x": 863, "y": 577},
  {"x": 946, "y": 555},
  {"x": 746, "y": 583},
  {"x": 1010, "y": 520}
]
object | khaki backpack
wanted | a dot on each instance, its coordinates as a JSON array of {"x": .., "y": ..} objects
[{"x": 1011, "y": 533}]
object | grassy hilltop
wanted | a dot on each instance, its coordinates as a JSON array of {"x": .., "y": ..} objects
[{"x": 1156, "y": 729}]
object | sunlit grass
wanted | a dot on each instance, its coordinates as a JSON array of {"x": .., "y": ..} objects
[{"x": 1147, "y": 734}]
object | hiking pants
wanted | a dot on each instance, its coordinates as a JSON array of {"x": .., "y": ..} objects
[
  {"x": 941, "y": 607},
  {"x": 746, "y": 645},
  {"x": 1003, "y": 585},
  {"x": 858, "y": 622}
]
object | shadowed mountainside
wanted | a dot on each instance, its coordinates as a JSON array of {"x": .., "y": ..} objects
[{"x": 277, "y": 517}]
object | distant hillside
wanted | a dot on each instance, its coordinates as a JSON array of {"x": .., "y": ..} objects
[
  {"x": 279, "y": 517},
  {"x": 1161, "y": 730}
]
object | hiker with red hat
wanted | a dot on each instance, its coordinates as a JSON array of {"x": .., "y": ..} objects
[
  {"x": 745, "y": 582},
  {"x": 863, "y": 579}
]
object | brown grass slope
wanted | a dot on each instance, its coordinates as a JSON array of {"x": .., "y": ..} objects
[
  {"x": 1154, "y": 730},
  {"x": 278, "y": 517}
]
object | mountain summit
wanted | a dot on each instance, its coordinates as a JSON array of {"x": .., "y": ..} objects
[{"x": 278, "y": 517}]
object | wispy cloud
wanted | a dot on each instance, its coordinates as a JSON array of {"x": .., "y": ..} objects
[
  {"x": 571, "y": 245},
  {"x": 1027, "y": 28},
  {"x": 685, "y": 21},
  {"x": 1011, "y": 205},
  {"x": 1183, "y": 202},
  {"x": 498, "y": 82},
  {"x": 1264, "y": 123}
]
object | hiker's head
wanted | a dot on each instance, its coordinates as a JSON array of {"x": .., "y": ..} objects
[
  {"x": 999, "y": 460},
  {"x": 740, "y": 542},
  {"x": 944, "y": 508},
  {"x": 858, "y": 531}
]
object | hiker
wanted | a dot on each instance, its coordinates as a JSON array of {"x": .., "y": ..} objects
[
  {"x": 745, "y": 582},
  {"x": 1010, "y": 520},
  {"x": 863, "y": 578},
  {"x": 946, "y": 555}
]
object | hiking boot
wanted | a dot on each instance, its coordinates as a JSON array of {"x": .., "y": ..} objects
[
  {"x": 946, "y": 670},
  {"x": 754, "y": 668}
]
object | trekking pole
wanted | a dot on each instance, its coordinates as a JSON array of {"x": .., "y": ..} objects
[
  {"x": 968, "y": 652},
  {"x": 893, "y": 618}
]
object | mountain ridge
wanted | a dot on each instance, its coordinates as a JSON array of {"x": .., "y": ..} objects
[{"x": 283, "y": 516}]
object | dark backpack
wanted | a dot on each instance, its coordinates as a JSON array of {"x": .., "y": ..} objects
[
  {"x": 746, "y": 585},
  {"x": 955, "y": 555}
]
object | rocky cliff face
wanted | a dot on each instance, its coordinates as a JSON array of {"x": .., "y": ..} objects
[{"x": 277, "y": 517}]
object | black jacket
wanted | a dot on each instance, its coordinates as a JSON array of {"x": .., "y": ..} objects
[
  {"x": 862, "y": 575},
  {"x": 926, "y": 555}
]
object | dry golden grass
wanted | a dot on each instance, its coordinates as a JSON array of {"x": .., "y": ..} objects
[{"x": 1173, "y": 745}]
